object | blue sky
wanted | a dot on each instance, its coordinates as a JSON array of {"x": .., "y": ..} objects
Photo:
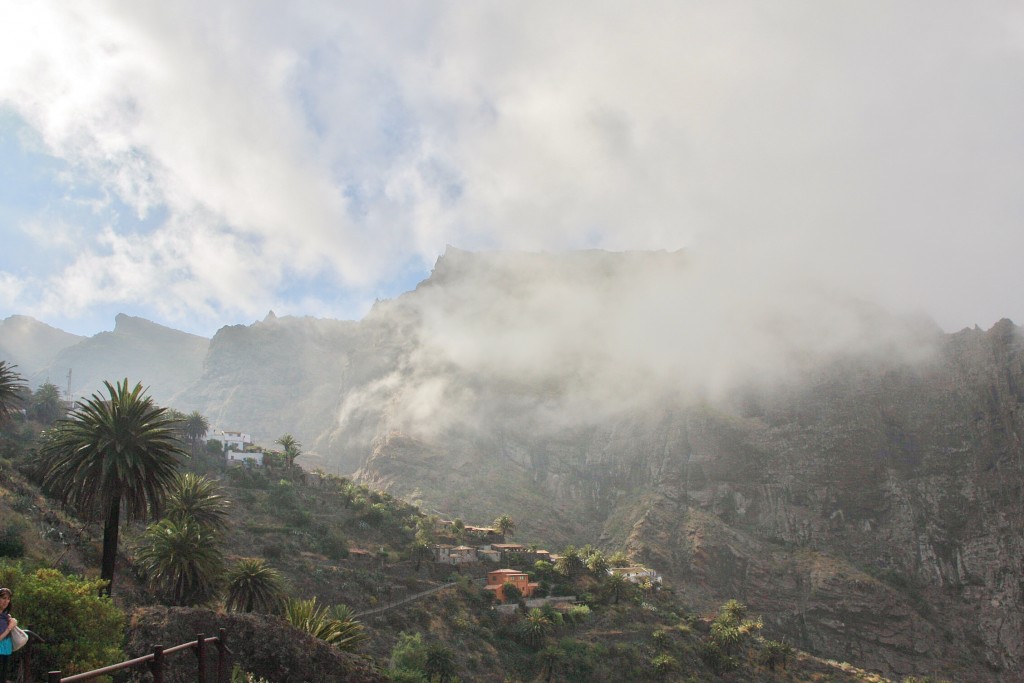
[{"x": 200, "y": 168}]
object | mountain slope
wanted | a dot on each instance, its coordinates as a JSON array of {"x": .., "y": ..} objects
[
  {"x": 32, "y": 345},
  {"x": 166, "y": 361}
]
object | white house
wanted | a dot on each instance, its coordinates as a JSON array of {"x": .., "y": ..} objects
[
  {"x": 636, "y": 574},
  {"x": 235, "y": 448},
  {"x": 254, "y": 457},
  {"x": 235, "y": 441}
]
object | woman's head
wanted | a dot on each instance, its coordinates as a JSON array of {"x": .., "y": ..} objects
[{"x": 5, "y": 599}]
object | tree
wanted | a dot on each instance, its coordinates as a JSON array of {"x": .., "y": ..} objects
[
  {"x": 348, "y": 631},
  {"x": 182, "y": 560},
  {"x": 198, "y": 500},
  {"x": 505, "y": 526},
  {"x": 11, "y": 387},
  {"x": 196, "y": 427},
  {"x": 534, "y": 628},
  {"x": 440, "y": 663},
  {"x": 619, "y": 559},
  {"x": 254, "y": 586},
  {"x": 569, "y": 562},
  {"x": 83, "y": 630},
  {"x": 616, "y": 587},
  {"x": 113, "y": 451},
  {"x": 510, "y": 592},
  {"x": 421, "y": 551},
  {"x": 550, "y": 658},
  {"x": 292, "y": 449},
  {"x": 46, "y": 405},
  {"x": 597, "y": 563},
  {"x": 458, "y": 528},
  {"x": 337, "y": 626}
]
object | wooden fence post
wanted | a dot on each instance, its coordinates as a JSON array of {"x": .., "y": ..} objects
[
  {"x": 222, "y": 656},
  {"x": 53, "y": 677},
  {"x": 201, "y": 655},
  {"x": 157, "y": 665}
]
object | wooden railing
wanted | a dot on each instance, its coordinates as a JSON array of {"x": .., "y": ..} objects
[{"x": 155, "y": 662}]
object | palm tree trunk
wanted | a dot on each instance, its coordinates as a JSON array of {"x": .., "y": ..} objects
[{"x": 110, "y": 530}]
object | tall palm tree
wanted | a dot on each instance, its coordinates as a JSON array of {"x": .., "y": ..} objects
[
  {"x": 616, "y": 587},
  {"x": 199, "y": 500},
  {"x": 113, "y": 451},
  {"x": 182, "y": 560},
  {"x": 504, "y": 525},
  {"x": 254, "y": 586},
  {"x": 11, "y": 387},
  {"x": 292, "y": 449},
  {"x": 196, "y": 427}
]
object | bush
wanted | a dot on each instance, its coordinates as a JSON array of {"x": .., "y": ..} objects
[
  {"x": 82, "y": 630},
  {"x": 775, "y": 653},
  {"x": 11, "y": 544}
]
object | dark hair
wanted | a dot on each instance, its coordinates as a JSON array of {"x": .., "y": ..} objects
[{"x": 10, "y": 594}]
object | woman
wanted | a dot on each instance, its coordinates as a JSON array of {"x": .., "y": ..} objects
[{"x": 7, "y": 624}]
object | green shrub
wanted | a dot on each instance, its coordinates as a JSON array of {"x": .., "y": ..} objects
[
  {"x": 82, "y": 630},
  {"x": 775, "y": 653},
  {"x": 11, "y": 544}
]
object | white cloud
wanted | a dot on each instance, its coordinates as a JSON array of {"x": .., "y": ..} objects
[{"x": 873, "y": 145}]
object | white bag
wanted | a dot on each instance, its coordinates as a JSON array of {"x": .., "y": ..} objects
[{"x": 18, "y": 639}]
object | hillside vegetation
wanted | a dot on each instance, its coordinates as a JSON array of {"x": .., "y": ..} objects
[{"x": 344, "y": 544}]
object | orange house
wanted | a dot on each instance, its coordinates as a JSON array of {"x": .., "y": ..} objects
[{"x": 499, "y": 577}]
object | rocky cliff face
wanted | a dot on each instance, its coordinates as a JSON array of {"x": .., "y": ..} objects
[
  {"x": 854, "y": 477},
  {"x": 871, "y": 513}
]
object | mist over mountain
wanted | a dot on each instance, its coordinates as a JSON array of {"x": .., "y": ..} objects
[
  {"x": 32, "y": 345},
  {"x": 851, "y": 474},
  {"x": 166, "y": 361}
]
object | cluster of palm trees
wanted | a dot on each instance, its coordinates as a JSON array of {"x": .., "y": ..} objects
[{"x": 117, "y": 454}]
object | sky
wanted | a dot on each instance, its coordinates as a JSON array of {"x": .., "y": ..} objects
[{"x": 200, "y": 165}]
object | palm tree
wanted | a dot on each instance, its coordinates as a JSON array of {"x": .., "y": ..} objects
[
  {"x": 440, "y": 663},
  {"x": 254, "y": 586},
  {"x": 196, "y": 427},
  {"x": 337, "y": 626},
  {"x": 505, "y": 526},
  {"x": 182, "y": 560},
  {"x": 550, "y": 658},
  {"x": 46, "y": 405},
  {"x": 597, "y": 563},
  {"x": 569, "y": 563},
  {"x": 198, "y": 500},
  {"x": 11, "y": 387},
  {"x": 535, "y": 627},
  {"x": 115, "y": 450},
  {"x": 349, "y": 632},
  {"x": 617, "y": 586},
  {"x": 292, "y": 449}
]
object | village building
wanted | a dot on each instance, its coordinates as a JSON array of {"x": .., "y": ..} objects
[
  {"x": 447, "y": 554},
  {"x": 497, "y": 579},
  {"x": 636, "y": 574},
  {"x": 507, "y": 550}
]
